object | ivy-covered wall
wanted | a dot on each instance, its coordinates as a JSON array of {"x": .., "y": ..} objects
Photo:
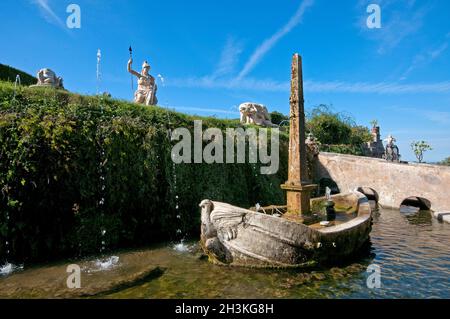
[{"x": 76, "y": 171}]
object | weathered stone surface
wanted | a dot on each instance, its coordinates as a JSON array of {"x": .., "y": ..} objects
[
  {"x": 235, "y": 236},
  {"x": 446, "y": 218},
  {"x": 254, "y": 113},
  {"x": 392, "y": 182},
  {"x": 298, "y": 185},
  {"x": 442, "y": 216},
  {"x": 375, "y": 147},
  {"x": 48, "y": 78},
  {"x": 51, "y": 282},
  {"x": 239, "y": 237},
  {"x": 392, "y": 153},
  {"x": 147, "y": 88}
]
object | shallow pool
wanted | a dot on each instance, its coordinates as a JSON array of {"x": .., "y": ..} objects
[{"x": 412, "y": 252}]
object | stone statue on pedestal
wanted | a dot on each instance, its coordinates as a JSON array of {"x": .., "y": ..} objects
[
  {"x": 392, "y": 153},
  {"x": 312, "y": 145},
  {"x": 252, "y": 113},
  {"x": 48, "y": 78},
  {"x": 312, "y": 152},
  {"x": 146, "y": 91}
]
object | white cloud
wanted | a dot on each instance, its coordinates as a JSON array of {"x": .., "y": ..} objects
[
  {"x": 48, "y": 13},
  {"x": 399, "y": 28},
  {"x": 268, "y": 44},
  {"x": 228, "y": 59},
  {"x": 205, "y": 110},
  {"x": 377, "y": 88},
  {"x": 425, "y": 58},
  {"x": 436, "y": 53},
  {"x": 269, "y": 85},
  {"x": 400, "y": 20},
  {"x": 247, "y": 84},
  {"x": 438, "y": 117}
]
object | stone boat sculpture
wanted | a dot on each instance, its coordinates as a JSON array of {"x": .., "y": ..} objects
[
  {"x": 304, "y": 232},
  {"x": 240, "y": 237}
]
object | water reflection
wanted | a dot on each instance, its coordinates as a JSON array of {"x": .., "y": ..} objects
[
  {"x": 410, "y": 249},
  {"x": 420, "y": 218}
]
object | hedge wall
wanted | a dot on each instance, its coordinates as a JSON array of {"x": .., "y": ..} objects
[
  {"x": 9, "y": 74},
  {"x": 76, "y": 171}
]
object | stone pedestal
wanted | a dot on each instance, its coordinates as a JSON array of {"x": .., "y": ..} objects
[
  {"x": 298, "y": 186},
  {"x": 298, "y": 198}
]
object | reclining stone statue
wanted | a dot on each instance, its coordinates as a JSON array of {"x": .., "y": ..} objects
[
  {"x": 253, "y": 113},
  {"x": 47, "y": 78}
]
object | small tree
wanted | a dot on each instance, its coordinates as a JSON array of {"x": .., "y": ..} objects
[
  {"x": 329, "y": 127},
  {"x": 360, "y": 135},
  {"x": 374, "y": 123},
  {"x": 419, "y": 148}
]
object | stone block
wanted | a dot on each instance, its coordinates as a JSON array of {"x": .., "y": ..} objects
[
  {"x": 446, "y": 218},
  {"x": 442, "y": 216}
]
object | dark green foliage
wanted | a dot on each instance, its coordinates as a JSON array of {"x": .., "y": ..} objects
[
  {"x": 278, "y": 117},
  {"x": 55, "y": 147},
  {"x": 342, "y": 149},
  {"x": 359, "y": 135},
  {"x": 9, "y": 74},
  {"x": 328, "y": 127},
  {"x": 336, "y": 132}
]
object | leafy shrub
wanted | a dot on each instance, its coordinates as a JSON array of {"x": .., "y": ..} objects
[
  {"x": 359, "y": 135},
  {"x": 329, "y": 127},
  {"x": 278, "y": 117},
  {"x": 342, "y": 149},
  {"x": 336, "y": 132}
]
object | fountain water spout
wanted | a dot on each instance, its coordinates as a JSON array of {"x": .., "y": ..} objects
[
  {"x": 329, "y": 205},
  {"x": 99, "y": 57},
  {"x": 17, "y": 82},
  {"x": 328, "y": 194}
]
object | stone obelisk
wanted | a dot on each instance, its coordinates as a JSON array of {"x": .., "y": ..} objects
[{"x": 298, "y": 186}]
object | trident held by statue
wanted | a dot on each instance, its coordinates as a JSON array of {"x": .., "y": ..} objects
[{"x": 131, "y": 76}]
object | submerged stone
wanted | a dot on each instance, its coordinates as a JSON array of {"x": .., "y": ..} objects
[{"x": 51, "y": 282}]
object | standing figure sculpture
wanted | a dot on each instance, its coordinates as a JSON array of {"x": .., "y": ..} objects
[
  {"x": 146, "y": 91},
  {"x": 392, "y": 152},
  {"x": 312, "y": 152}
]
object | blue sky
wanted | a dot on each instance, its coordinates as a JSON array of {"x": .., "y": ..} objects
[{"x": 214, "y": 55}]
